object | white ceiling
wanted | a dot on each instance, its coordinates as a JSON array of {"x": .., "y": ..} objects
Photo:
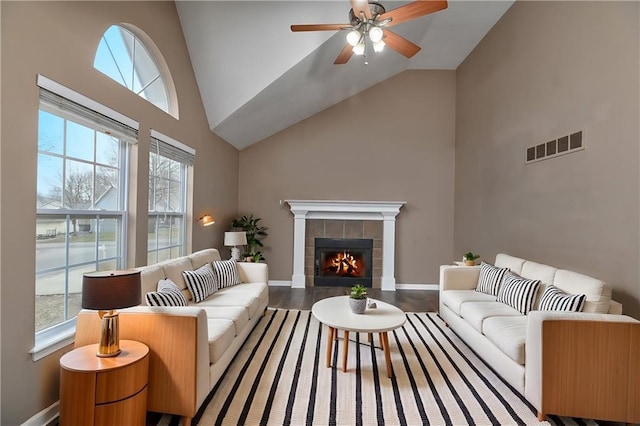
[{"x": 256, "y": 77}]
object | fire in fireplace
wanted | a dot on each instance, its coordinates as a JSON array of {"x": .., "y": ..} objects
[{"x": 343, "y": 262}]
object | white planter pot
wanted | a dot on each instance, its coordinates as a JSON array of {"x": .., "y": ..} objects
[{"x": 358, "y": 306}]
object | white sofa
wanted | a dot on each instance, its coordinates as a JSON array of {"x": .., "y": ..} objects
[
  {"x": 584, "y": 364},
  {"x": 190, "y": 347}
]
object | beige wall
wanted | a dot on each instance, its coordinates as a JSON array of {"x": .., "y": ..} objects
[
  {"x": 545, "y": 70},
  {"x": 59, "y": 41},
  {"x": 392, "y": 142}
]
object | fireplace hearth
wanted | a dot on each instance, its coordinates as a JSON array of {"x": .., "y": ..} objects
[{"x": 343, "y": 262}]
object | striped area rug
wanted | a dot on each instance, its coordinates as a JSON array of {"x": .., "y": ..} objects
[{"x": 279, "y": 377}]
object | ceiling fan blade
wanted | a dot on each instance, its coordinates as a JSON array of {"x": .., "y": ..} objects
[
  {"x": 413, "y": 10},
  {"x": 345, "y": 55},
  {"x": 319, "y": 27},
  {"x": 400, "y": 44},
  {"x": 361, "y": 6}
]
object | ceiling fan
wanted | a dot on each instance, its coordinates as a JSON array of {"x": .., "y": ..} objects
[{"x": 369, "y": 19}]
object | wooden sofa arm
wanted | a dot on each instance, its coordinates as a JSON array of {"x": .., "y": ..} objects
[
  {"x": 459, "y": 277},
  {"x": 583, "y": 365},
  {"x": 178, "y": 358}
]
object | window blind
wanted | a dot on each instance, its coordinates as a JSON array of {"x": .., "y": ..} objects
[
  {"x": 172, "y": 149},
  {"x": 107, "y": 124}
]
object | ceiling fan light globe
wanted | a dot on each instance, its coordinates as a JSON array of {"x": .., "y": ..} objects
[
  {"x": 358, "y": 49},
  {"x": 353, "y": 37},
  {"x": 375, "y": 34},
  {"x": 378, "y": 46}
]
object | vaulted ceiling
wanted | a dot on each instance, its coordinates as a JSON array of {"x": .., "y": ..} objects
[{"x": 256, "y": 77}]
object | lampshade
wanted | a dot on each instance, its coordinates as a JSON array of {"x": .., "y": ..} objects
[
  {"x": 235, "y": 238},
  {"x": 206, "y": 220},
  {"x": 358, "y": 49},
  {"x": 353, "y": 37},
  {"x": 375, "y": 34},
  {"x": 378, "y": 46},
  {"x": 107, "y": 290}
]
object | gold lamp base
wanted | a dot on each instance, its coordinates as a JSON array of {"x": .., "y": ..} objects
[{"x": 109, "y": 339}]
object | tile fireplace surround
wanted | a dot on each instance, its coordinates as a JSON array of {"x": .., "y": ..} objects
[{"x": 385, "y": 211}]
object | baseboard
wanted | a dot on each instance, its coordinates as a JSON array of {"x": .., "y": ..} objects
[
  {"x": 48, "y": 416},
  {"x": 277, "y": 283},
  {"x": 435, "y": 287}
]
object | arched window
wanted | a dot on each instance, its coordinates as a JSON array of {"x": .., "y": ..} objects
[{"x": 129, "y": 57}]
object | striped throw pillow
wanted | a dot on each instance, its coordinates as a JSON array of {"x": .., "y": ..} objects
[
  {"x": 554, "y": 299},
  {"x": 201, "y": 282},
  {"x": 226, "y": 272},
  {"x": 490, "y": 278},
  {"x": 168, "y": 294},
  {"x": 518, "y": 292}
]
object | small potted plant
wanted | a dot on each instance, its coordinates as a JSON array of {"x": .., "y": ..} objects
[
  {"x": 358, "y": 299},
  {"x": 470, "y": 258}
]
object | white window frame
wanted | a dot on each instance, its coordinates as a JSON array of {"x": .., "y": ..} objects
[
  {"x": 62, "y": 334},
  {"x": 156, "y": 66},
  {"x": 182, "y": 154}
]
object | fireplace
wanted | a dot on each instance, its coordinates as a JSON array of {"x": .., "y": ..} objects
[{"x": 343, "y": 262}]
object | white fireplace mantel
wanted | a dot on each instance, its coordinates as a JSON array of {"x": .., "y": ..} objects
[{"x": 346, "y": 210}]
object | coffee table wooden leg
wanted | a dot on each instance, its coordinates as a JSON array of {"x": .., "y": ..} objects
[
  {"x": 345, "y": 351},
  {"x": 332, "y": 332},
  {"x": 387, "y": 356}
]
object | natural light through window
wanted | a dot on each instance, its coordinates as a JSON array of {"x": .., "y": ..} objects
[
  {"x": 123, "y": 57},
  {"x": 167, "y": 202},
  {"x": 80, "y": 210}
]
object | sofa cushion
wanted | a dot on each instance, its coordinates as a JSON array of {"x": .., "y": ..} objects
[
  {"x": 201, "y": 282},
  {"x": 150, "y": 276},
  {"x": 201, "y": 257},
  {"x": 538, "y": 271},
  {"x": 238, "y": 314},
  {"x": 454, "y": 299},
  {"x": 518, "y": 292},
  {"x": 508, "y": 334},
  {"x": 554, "y": 299},
  {"x": 173, "y": 271},
  {"x": 598, "y": 292},
  {"x": 476, "y": 312},
  {"x": 226, "y": 272},
  {"x": 221, "y": 333},
  {"x": 167, "y": 295},
  {"x": 490, "y": 278},
  {"x": 513, "y": 263},
  {"x": 222, "y": 298},
  {"x": 258, "y": 290}
]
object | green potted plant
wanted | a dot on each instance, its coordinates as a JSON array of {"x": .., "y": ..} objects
[
  {"x": 470, "y": 259},
  {"x": 358, "y": 299},
  {"x": 255, "y": 233}
]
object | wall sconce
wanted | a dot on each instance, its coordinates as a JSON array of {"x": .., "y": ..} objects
[
  {"x": 206, "y": 220},
  {"x": 106, "y": 292}
]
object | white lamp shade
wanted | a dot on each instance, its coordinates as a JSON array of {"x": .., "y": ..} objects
[
  {"x": 358, "y": 49},
  {"x": 378, "y": 46},
  {"x": 235, "y": 238},
  {"x": 375, "y": 34},
  {"x": 353, "y": 37}
]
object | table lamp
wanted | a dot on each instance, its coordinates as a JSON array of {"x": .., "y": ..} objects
[
  {"x": 106, "y": 291},
  {"x": 235, "y": 239}
]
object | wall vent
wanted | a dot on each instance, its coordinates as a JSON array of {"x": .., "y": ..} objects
[{"x": 563, "y": 145}]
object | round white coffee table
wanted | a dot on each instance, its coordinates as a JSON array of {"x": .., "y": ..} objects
[{"x": 335, "y": 313}]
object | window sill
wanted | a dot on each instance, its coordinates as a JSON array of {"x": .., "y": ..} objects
[{"x": 53, "y": 339}]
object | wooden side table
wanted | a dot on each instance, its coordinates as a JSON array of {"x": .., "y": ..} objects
[{"x": 104, "y": 391}]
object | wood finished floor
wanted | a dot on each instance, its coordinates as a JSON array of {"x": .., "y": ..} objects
[{"x": 304, "y": 298}]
